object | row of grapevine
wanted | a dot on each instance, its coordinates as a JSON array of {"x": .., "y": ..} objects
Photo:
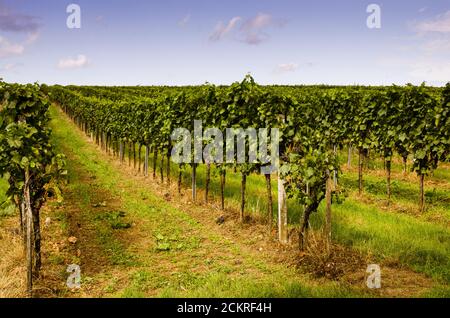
[
  {"x": 28, "y": 161},
  {"x": 314, "y": 122}
]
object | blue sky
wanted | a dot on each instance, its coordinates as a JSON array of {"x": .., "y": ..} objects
[{"x": 179, "y": 42}]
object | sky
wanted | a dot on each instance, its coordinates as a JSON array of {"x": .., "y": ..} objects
[{"x": 190, "y": 42}]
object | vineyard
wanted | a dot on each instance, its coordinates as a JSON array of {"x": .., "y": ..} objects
[{"x": 363, "y": 173}]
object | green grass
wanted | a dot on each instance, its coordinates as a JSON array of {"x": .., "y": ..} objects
[
  {"x": 409, "y": 239},
  {"x": 377, "y": 163},
  {"x": 413, "y": 241},
  {"x": 420, "y": 245},
  {"x": 3, "y": 189},
  {"x": 6, "y": 208},
  {"x": 104, "y": 226},
  {"x": 276, "y": 287},
  {"x": 406, "y": 194}
]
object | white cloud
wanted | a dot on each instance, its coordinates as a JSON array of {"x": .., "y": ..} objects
[
  {"x": 437, "y": 46},
  {"x": 251, "y": 31},
  {"x": 440, "y": 24},
  {"x": 423, "y": 9},
  {"x": 9, "y": 67},
  {"x": 9, "y": 49},
  {"x": 11, "y": 21},
  {"x": 185, "y": 20},
  {"x": 31, "y": 38},
  {"x": 260, "y": 21},
  {"x": 431, "y": 71},
  {"x": 72, "y": 63},
  {"x": 223, "y": 30},
  {"x": 434, "y": 35},
  {"x": 254, "y": 30},
  {"x": 286, "y": 67}
]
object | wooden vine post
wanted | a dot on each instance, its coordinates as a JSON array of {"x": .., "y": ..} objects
[
  {"x": 269, "y": 203},
  {"x": 121, "y": 152},
  {"x": 349, "y": 157},
  {"x": 194, "y": 182},
  {"x": 282, "y": 212},
  {"x": 360, "y": 170},
  {"x": 147, "y": 152},
  {"x": 335, "y": 170},
  {"x": 282, "y": 202},
  {"x": 208, "y": 180},
  {"x": 28, "y": 232},
  {"x": 328, "y": 190},
  {"x": 422, "y": 194},
  {"x": 388, "y": 180},
  {"x": 223, "y": 175}
]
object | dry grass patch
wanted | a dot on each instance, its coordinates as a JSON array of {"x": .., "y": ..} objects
[{"x": 12, "y": 264}]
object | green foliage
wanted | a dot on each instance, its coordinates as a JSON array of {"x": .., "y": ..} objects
[
  {"x": 421, "y": 130},
  {"x": 312, "y": 121},
  {"x": 115, "y": 220},
  {"x": 25, "y": 141}
]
